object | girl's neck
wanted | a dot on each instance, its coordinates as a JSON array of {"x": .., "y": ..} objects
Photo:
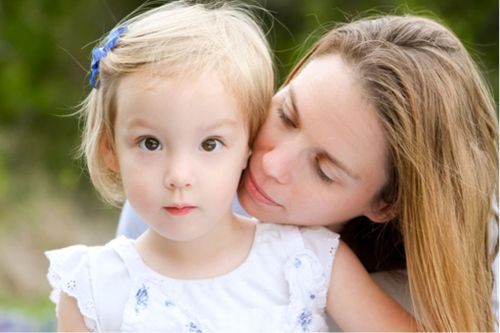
[{"x": 218, "y": 252}]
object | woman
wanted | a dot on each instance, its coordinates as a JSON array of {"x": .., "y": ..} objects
[{"x": 388, "y": 119}]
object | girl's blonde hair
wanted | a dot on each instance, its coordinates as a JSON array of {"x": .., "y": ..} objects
[
  {"x": 179, "y": 39},
  {"x": 439, "y": 120}
]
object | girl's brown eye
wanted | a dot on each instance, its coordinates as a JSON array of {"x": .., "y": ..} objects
[
  {"x": 210, "y": 145},
  {"x": 150, "y": 144}
]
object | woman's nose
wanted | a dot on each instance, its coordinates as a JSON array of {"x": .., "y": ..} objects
[
  {"x": 279, "y": 161},
  {"x": 179, "y": 174}
]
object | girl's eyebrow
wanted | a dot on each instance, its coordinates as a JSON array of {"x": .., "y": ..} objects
[
  {"x": 221, "y": 123},
  {"x": 138, "y": 122}
]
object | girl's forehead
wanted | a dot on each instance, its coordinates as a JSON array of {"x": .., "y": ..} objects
[
  {"x": 207, "y": 87},
  {"x": 204, "y": 91}
]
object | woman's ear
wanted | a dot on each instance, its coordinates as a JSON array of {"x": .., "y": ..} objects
[
  {"x": 381, "y": 212},
  {"x": 108, "y": 155}
]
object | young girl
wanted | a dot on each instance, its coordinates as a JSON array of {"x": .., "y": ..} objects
[
  {"x": 180, "y": 92},
  {"x": 431, "y": 170}
]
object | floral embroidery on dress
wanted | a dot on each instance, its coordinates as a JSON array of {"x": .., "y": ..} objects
[
  {"x": 141, "y": 298},
  {"x": 305, "y": 319},
  {"x": 71, "y": 285},
  {"x": 308, "y": 293},
  {"x": 297, "y": 263},
  {"x": 192, "y": 327},
  {"x": 156, "y": 303},
  {"x": 168, "y": 303}
]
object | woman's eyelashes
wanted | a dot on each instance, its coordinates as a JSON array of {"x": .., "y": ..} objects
[
  {"x": 321, "y": 174},
  {"x": 285, "y": 119}
]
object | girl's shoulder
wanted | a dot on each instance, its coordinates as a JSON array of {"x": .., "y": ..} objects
[
  {"x": 77, "y": 259},
  {"x": 71, "y": 255},
  {"x": 315, "y": 245},
  {"x": 89, "y": 273},
  {"x": 319, "y": 240}
]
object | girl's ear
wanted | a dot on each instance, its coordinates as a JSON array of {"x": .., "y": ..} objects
[
  {"x": 108, "y": 154},
  {"x": 381, "y": 212}
]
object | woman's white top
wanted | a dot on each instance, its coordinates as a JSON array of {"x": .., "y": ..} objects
[{"x": 281, "y": 286}]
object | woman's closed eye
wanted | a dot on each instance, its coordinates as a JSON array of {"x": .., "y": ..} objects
[
  {"x": 285, "y": 119},
  {"x": 321, "y": 173},
  {"x": 149, "y": 143},
  {"x": 211, "y": 145}
]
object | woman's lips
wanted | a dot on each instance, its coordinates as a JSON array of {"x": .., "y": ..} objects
[
  {"x": 256, "y": 192},
  {"x": 179, "y": 210}
]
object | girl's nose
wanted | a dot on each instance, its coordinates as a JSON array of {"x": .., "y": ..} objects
[
  {"x": 178, "y": 183},
  {"x": 179, "y": 174},
  {"x": 279, "y": 161}
]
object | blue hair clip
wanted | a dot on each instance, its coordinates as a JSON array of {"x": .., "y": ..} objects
[{"x": 100, "y": 52}]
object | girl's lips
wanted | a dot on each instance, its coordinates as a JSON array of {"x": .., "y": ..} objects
[
  {"x": 179, "y": 211},
  {"x": 256, "y": 192}
]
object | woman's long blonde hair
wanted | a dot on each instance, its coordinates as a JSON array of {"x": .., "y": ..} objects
[{"x": 440, "y": 122}]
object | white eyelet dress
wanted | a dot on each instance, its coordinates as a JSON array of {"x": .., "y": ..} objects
[{"x": 281, "y": 286}]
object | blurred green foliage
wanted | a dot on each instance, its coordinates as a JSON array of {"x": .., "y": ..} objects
[{"x": 45, "y": 50}]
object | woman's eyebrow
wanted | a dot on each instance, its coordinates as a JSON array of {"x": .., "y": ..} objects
[
  {"x": 294, "y": 111},
  {"x": 295, "y": 116}
]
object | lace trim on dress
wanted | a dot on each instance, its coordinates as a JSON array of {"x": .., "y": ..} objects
[
  {"x": 67, "y": 266},
  {"x": 308, "y": 285},
  {"x": 307, "y": 292}
]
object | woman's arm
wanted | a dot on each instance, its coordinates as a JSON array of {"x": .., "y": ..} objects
[
  {"x": 130, "y": 225},
  {"x": 356, "y": 303},
  {"x": 69, "y": 317}
]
